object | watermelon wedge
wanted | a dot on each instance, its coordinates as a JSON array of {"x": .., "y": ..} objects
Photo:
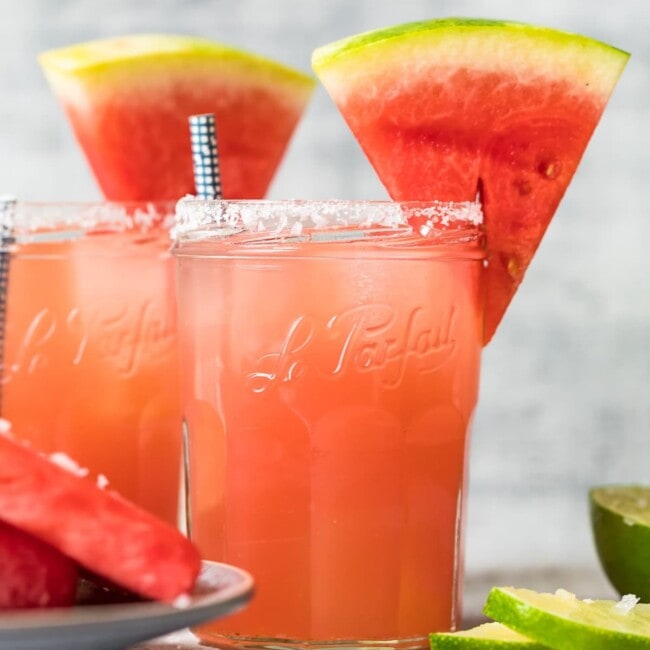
[
  {"x": 95, "y": 527},
  {"x": 128, "y": 100},
  {"x": 458, "y": 108},
  {"x": 32, "y": 573}
]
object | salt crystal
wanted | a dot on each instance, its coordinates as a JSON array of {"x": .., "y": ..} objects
[
  {"x": 277, "y": 216},
  {"x": 67, "y": 463},
  {"x": 564, "y": 594},
  {"x": 102, "y": 481},
  {"x": 588, "y": 601},
  {"x": 628, "y": 522},
  {"x": 182, "y": 602},
  {"x": 626, "y": 604},
  {"x": 30, "y": 217},
  {"x": 5, "y": 428}
]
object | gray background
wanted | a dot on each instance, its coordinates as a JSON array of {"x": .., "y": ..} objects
[{"x": 565, "y": 383}]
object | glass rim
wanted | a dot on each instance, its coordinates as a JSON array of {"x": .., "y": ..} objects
[
  {"x": 25, "y": 217},
  {"x": 198, "y": 219}
]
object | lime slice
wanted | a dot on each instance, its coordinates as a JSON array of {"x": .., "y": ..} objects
[
  {"x": 563, "y": 622},
  {"x": 483, "y": 637},
  {"x": 620, "y": 517}
]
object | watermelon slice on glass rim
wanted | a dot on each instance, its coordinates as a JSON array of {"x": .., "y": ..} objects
[
  {"x": 128, "y": 100},
  {"x": 457, "y": 108}
]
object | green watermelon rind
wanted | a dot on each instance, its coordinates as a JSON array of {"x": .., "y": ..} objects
[
  {"x": 327, "y": 54},
  {"x": 99, "y": 57},
  {"x": 590, "y": 65}
]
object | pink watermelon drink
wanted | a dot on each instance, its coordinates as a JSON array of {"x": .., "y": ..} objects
[
  {"x": 330, "y": 356},
  {"x": 90, "y": 359},
  {"x": 463, "y": 109},
  {"x": 91, "y": 329},
  {"x": 325, "y": 458}
]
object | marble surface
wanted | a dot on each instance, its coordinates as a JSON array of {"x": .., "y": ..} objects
[{"x": 565, "y": 383}]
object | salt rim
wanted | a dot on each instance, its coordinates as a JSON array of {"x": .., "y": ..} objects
[
  {"x": 28, "y": 217},
  {"x": 626, "y": 604},
  {"x": 200, "y": 216}
]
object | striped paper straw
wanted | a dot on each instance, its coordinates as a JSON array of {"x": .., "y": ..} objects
[
  {"x": 207, "y": 183},
  {"x": 7, "y": 206},
  {"x": 205, "y": 156}
]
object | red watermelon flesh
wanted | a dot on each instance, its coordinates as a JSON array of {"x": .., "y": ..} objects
[
  {"x": 458, "y": 108},
  {"x": 128, "y": 100},
  {"x": 32, "y": 573},
  {"x": 95, "y": 527}
]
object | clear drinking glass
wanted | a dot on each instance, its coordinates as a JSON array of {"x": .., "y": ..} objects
[
  {"x": 90, "y": 360},
  {"x": 329, "y": 367}
]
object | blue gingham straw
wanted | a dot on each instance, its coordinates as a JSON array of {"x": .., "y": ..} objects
[
  {"x": 205, "y": 156},
  {"x": 207, "y": 182},
  {"x": 7, "y": 206}
]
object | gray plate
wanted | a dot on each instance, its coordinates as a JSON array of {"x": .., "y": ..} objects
[{"x": 220, "y": 590}]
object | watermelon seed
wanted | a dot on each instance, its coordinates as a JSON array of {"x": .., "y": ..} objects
[
  {"x": 549, "y": 169},
  {"x": 513, "y": 267},
  {"x": 523, "y": 186}
]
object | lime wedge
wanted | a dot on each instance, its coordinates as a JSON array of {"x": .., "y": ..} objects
[
  {"x": 563, "y": 622},
  {"x": 483, "y": 637},
  {"x": 620, "y": 518}
]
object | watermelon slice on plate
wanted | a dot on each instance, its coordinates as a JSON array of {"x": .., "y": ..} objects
[
  {"x": 95, "y": 527},
  {"x": 32, "y": 573},
  {"x": 128, "y": 100},
  {"x": 457, "y": 108}
]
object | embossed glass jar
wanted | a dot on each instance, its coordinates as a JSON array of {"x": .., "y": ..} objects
[
  {"x": 90, "y": 359},
  {"x": 329, "y": 365}
]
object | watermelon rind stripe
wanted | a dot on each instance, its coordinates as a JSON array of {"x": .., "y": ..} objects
[
  {"x": 477, "y": 44},
  {"x": 102, "y": 55}
]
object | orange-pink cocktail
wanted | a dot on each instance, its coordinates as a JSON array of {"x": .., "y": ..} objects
[
  {"x": 329, "y": 362},
  {"x": 90, "y": 365}
]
